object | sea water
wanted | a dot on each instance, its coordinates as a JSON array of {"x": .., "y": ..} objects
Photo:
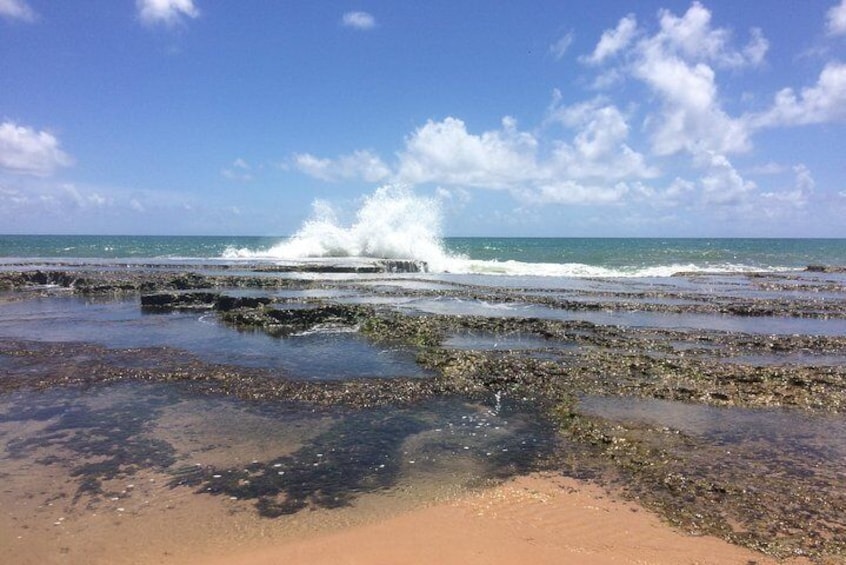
[
  {"x": 561, "y": 257},
  {"x": 395, "y": 223}
]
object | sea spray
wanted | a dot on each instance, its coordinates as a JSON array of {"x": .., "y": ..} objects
[
  {"x": 396, "y": 224},
  {"x": 392, "y": 223}
]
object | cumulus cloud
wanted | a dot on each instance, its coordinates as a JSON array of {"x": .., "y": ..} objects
[
  {"x": 16, "y": 10},
  {"x": 821, "y": 103},
  {"x": 693, "y": 37},
  {"x": 167, "y": 12},
  {"x": 447, "y": 153},
  {"x": 596, "y": 165},
  {"x": 24, "y": 150},
  {"x": 836, "y": 19},
  {"x": 676, "y": 63},
  {"x": 691, "y": 118},
  {"x": 721, "y": 183},
  {"x": 599, "y": 148},
  {"x": 359, "y": 20}
]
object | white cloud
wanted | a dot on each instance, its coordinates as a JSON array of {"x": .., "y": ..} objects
[
  {"x": 784, "y": 203},
  {"x": 68, "y": 196},
  {"x": 613, "y": 40},
  {"x": 445, "y": 152},
  {"x": 769, "y": 168},
  {"x": 599, "y": 158},
  {"x": 599, "y": 148},
  {"x": 573, "y": 192},
  {"x": 359, "y": 20},
  {"x": 168, "y": 12},
  {"x": 560, "y": 47},
  {"x": 596, "y": 167},
  {"x": 721, "y": 183},
  {"x": 359, "y": 164},
  {"x": 836, "y": 19},
  {"x": 692, "y": 37},
  {"x": 756, "y": 50},
  {"x": 17, "y": 10},
  {"x": 691, "y": 118},
  {"x": 679, "y": 190},
  {"x": 674, "y": 63},
  {"x": 26, "y": 151},
  {"x": 822, "y": 103}
]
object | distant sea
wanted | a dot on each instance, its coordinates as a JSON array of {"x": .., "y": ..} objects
[{"x": 482, "y": 255}]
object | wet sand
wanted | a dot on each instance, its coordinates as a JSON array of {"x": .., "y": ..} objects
[{"x": 539, "y": 518}]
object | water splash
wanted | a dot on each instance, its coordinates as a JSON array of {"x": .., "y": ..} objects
[
  {"x": 395, "y": 223},
  {"x": 392, "y": 223}
]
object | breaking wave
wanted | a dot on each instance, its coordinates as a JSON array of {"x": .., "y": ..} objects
[{"x": 394, "y": 223}]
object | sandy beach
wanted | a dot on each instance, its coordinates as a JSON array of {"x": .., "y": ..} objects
[{"x": 540, "y": 518}]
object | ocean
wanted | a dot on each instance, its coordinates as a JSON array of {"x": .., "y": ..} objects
[
  {"x": 561, "y": 257},
  {"x": 395, "y": 223}
]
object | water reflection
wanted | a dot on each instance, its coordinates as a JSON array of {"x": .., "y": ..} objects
[{"x": 121, "y": 324}]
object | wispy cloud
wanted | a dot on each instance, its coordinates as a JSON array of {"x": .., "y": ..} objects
[
  {"x": 239, "y": 170},
  {"x": 359, "y": 20},
  {"x": 24, "y": 150},
  {"x": 560, "y": 47},
  {"x": 17, "y": 10},
  {"x": 613, "y": 40},
  {"x": 361, "y": 164},
  {"x": 167, "y": 12}
]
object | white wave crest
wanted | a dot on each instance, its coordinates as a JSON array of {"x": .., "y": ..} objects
[
  {"x": 392, "y": 223},
  {"x": 582, "y": 270},
  {"x": 395, "y": 223}
]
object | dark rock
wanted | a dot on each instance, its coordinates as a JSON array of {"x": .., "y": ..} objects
[
  {"x": 179, "y": 300},
  {"x": 225, "y": 302}
]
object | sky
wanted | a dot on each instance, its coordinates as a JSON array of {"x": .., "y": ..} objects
[{"x": 567, "y": 118}]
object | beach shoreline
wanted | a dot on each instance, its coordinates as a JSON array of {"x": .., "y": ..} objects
[{"x": 351, "y": 407}]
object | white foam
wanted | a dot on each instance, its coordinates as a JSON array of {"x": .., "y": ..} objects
[
  {"x": 392, "y": 223},
  {"x": 395, "y": 223}
]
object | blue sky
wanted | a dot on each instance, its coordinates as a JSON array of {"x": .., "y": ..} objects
[{"x": 565, "y": 118}]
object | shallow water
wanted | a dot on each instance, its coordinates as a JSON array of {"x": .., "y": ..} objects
[
  {"x": 89, "y": 471},
  {"x": 794, "y": 433},
  {"x": 120, "y": 324},
  {"x": 637, "y": 319}
]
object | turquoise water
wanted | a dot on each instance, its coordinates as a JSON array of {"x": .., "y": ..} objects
[
  {"x": 123, "y": 246},
  {"x": 588, "y": 256}
]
